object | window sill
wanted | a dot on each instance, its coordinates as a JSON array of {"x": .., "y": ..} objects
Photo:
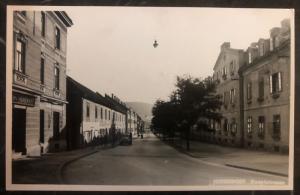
[
  {"x": 42, "y": 88},
  {"x": 260, "y": 99},
  {"x": 56, "y": 92},
  {"x": 276, "y": 137},
  {"x": 249, "y": 101},
  {"x": 275, "y": 95}
]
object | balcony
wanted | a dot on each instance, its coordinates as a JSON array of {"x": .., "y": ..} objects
[
  {"x": 275, "y": 95},
  {"x": 20, "y": 78}
]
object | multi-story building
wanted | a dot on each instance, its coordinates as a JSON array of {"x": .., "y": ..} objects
[
  {"x": 39, "y": 81},
  {"x": 266, "y": 91},
  {"x": 226, "y": 68},
  {"x": 90, "y": 115},
  {"x": 255, "y": 90}
]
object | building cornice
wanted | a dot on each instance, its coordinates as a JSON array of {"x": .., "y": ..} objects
[{"x": 63, "y": 16}]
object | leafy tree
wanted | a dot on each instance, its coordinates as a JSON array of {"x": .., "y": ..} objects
[{"x": 191, "y": 105}]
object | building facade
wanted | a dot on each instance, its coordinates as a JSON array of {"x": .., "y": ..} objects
[
  {"x": 39, "y": 81},
  {"x": 90, "y": 116},
  {"x": 255, "y": 90},
  {"x": 266, "y": 89},
  {"x": 227, "y": 130}
]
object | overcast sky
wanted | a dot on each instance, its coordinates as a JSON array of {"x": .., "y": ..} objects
[{"x": 110, "y": 49}]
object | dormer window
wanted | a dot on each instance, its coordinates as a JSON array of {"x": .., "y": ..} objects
[
  {"x": 262, "y": 49},
  {"x": 250, "y": 57}
]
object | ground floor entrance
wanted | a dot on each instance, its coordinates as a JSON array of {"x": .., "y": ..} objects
[{"x": 19, "y": 130}]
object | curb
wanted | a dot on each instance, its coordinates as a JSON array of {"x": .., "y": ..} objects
[
  {"x": 96, "y": 149},
  {"x": 59, "y": 174},
  {"x": 257, "y": 170},
  {"x": 178, "y": 148}
]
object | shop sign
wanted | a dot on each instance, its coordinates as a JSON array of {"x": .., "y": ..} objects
[{"x": 24, "y": 100}]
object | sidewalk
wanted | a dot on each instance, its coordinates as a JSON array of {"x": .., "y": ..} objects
[
  {"x": 266, "y": 162},
  {"x": 47, "y": 168}
]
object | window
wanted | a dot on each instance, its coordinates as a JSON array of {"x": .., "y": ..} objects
[
  {"x": 232, "y": 68},
  {"x": 225, "y": 98},
  {"x": 56, "y": 77},
  {"x": 105, "y": 114},
  {"x": 42, "y": 73},
  {"x": 20, "y": 56},
  {"x": 57, "y": 38},
  {"x": 262, "y": 49},
  {"x": 249, "y": 125},
  {"x": 261, "y": 88},
  {"x": 261, "y": 126},
  {"x": 43, "y": 23},
  {"x": 225, "y": 125},
  {"x": 249, "y": 91},
  {"x": 271, "y": 43},
  {"x": 250, "y": 57},
  {"x": 276, "y": 126},
  {"x": 87, "y": 110},
  {"x": 233, "y": 126},
  {"x": 275, "y": 82},
  {"x": 224, "y": 72},
  {"x": 96, "y": 112},
  {"x": 232, "y": 96},
  {"x": 101, "y": 113}
]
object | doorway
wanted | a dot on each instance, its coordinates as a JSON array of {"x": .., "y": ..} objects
[
  {"x": 19, "y": 130},
  {"x": 42, "y": 126},
  {"x": 55, "y": 125}
]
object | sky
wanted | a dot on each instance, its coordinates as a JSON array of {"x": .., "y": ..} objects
[{"x": 110, "y": 49}]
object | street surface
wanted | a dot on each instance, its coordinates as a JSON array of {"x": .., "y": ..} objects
[{"x": 151, "y": 162}]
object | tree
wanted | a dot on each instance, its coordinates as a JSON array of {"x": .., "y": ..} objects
[{"x": 191, "y": 105}]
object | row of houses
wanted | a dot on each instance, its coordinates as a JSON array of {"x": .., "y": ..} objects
[
  {"x": 255, "y": 90},
  {"x": 51, "y": 111},
  {"x": 91, "y": 116}
]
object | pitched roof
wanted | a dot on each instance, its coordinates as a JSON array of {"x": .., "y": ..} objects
[{"x": 88, "y": 93}]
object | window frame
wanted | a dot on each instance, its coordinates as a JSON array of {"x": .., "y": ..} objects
[
  {"x": 249, "y": 90},
  {"x": 42, "y": 70},
  {"x": 249, "y": 125},
  {"x": 57, "y": 38},
  {"x": 87, "y": 114},
  {"x": 56, "y": 76},
  {"x": 20, "y": 56}
]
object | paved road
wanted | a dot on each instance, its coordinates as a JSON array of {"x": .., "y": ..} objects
[{"x": 151, "y": 162}]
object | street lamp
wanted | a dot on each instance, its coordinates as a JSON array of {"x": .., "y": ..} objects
[{"x": 155, "y": 44}]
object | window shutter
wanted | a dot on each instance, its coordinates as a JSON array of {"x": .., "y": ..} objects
[
  {"x": 279, "y": 81},
  {"x": 271, "y": 87}
]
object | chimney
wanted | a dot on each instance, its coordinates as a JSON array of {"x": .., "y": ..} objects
[
  {"x": 225, "y": 45},
  {"x": 285, "y": 23}
]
